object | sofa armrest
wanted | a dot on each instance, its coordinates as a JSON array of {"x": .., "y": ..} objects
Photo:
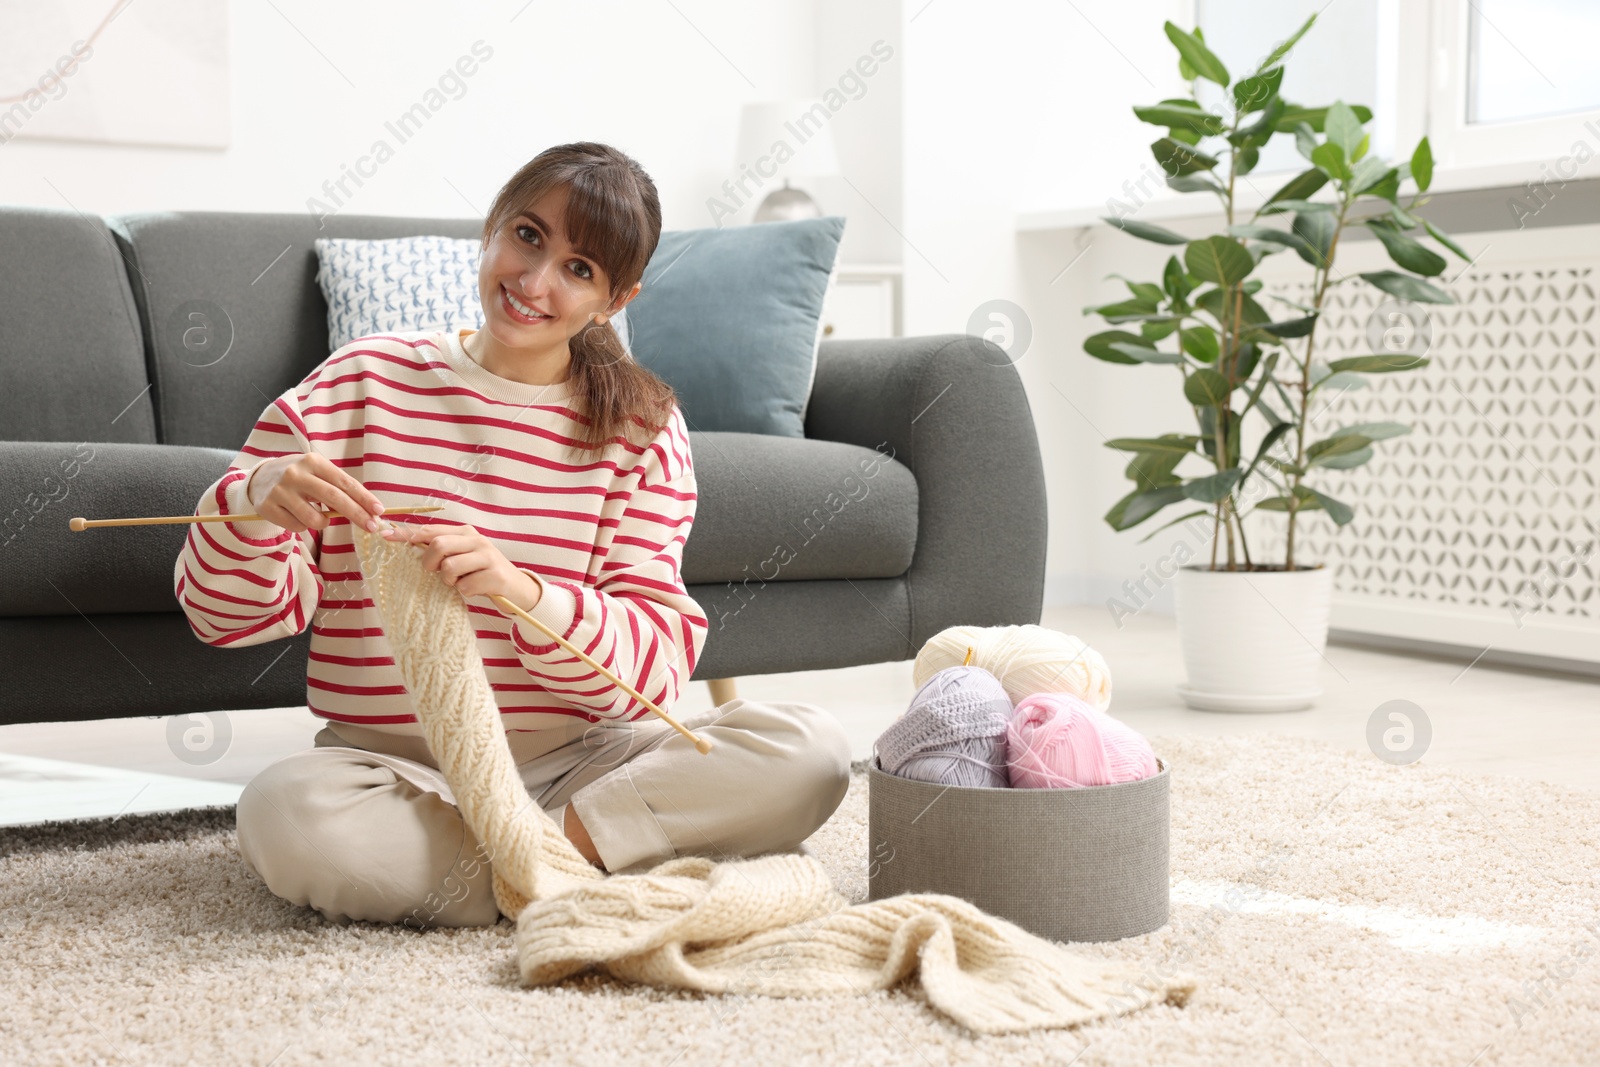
[{"x": 953, "y": 409}]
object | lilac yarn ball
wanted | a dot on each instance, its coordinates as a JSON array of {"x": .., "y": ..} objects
[
  {"x": 1056, "y": 741},
  {"x": 954, "y": 732}
]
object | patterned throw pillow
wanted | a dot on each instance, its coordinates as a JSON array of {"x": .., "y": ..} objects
[{"x": 404, "y": 284}]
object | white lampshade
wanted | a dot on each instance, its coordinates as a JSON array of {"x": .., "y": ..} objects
[{"x": 763, "y": 125}]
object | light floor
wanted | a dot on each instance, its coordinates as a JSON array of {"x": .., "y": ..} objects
[{"x": 1484, "y": 719}]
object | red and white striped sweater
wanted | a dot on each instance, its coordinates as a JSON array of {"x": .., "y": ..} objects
[{"x": 414, "y": 419}]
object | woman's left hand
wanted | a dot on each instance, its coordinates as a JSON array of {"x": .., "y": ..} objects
[{"x": 469, "y": 562}]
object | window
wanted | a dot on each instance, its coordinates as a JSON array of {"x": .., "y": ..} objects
[
  {"x": 1531, "y": 59},
  {"x": 1502, "y": 88}
]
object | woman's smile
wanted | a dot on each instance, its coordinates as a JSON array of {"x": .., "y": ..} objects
[{"x": 518, "y": 311}]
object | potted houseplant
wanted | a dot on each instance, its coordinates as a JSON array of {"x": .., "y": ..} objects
[{"x": 1253, "y": 631}]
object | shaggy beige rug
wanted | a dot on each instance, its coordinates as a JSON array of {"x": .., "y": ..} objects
[{"x": 1335, "y": 909}]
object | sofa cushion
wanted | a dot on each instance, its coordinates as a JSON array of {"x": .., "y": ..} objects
[
  {"x": 72, "y": 364},
  {"x": 770, "y": 509},
  {"x": 48, "y": 569},
  {"x": 732, "y": 318},
  {"x": 791, "y": 509},
  {"x": 405, "y": 283}
]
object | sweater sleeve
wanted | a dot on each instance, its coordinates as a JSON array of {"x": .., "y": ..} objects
[
  {"x": 637, "y": 619},
  {"x": 245, "y": 583}
]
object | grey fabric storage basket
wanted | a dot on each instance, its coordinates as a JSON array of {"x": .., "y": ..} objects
[{"x": 1084, "y": 864}]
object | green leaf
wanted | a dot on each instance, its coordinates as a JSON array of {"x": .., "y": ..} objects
[
  {"x": 1300, "y": 186},
  {"x": 1407, "y": 288},
  {"x": 1340, "y": 512},
  {"x": 1446, "y": 240},
  {"x": 1343, "y": 128},
  {"x": 1315, "y": 116},
  {"x": 1212, "y": 487},
  {"x": 1144, "y": 292},
  {"x": 1267, "y": 233},
  {"x": 1158, "y": 329},
  {"x": 1376, "y": 431},
  {"x": 1268, "y": 366},
  {"x": 1125, "y": 311},
  {"x": 1246, "y": 358},
  {"x": 1345, "y": 381},
  {"x": 1374, "y": 364},
  {"x": 1152, "y": 470},
  {"x": 1175, "y": 281},
  {"x": 1403, "y": 218},
  {"x": 1099, "y": 346},
  {"x": 1247, "y": 159},
  {"x": 1173, "y": 522},
  {"x": 1387, "y": 187},
  {"x": 1181, "y": 443},
  {"x": 1316, "y": 229},
  {"x": 1405, "y": 252},
  {"x": 1144, "y": 353},
  {"x": 1284, "y": 466},
  {"x": 1206, "y": 388},
  {"x": 1197, "y": 55},
  {"x": 1283, "y": 48},
  {"x": 1291, "y": 327},
  {"x": 1138, "y": 506},
  {"x": 1218, "y": 259},
  {"x": 1370, "y": 172},
  {"x": 1271, "y": 438},
  {"x": 1177, "y": 158},
  {"x": 1200, "y": 342},
  {"x": 1298, "y": 205},
  {"x": 1182, "y": 115},
  {"x": 1147, "y": 231},
  {"x": 1361, "y": 148},
  {"x": 1331, "y": 447},
  {"x": 1305, "y": 139},
  {"x": 1257, "y": 91},
  {"x": 1195, "y": 183},
  {"x": 1349, "y": 460},
  {"x": 1329, "y": 158},
  {"x": 1422, "y": 165}
]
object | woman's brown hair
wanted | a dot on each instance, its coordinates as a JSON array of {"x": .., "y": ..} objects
[{"x": 614, "y": 213}]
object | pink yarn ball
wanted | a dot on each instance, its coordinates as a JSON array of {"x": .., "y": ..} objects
[{"x": 1057, "y": 740}]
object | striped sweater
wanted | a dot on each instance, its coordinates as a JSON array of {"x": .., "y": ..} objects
[{"x": 414, "y": 419}]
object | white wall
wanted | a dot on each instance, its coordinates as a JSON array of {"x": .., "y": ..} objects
[
  {"x": 313, "y": 87},
  {"x": 1015, "y": 106}
]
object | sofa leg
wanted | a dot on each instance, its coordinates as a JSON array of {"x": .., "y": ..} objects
[{"x": 723, "y": 690}]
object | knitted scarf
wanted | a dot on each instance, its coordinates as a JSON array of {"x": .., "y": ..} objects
[{"x": 772, "y": 925}]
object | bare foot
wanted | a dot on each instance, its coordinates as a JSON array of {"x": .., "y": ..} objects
[{"x": 580, "y": 838}]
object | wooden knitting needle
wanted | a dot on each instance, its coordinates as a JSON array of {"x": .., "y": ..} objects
[
  {"x": 700, "y": 743},
  {"x": 84, "y": 524}
]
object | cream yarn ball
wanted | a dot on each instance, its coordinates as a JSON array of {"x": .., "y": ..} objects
[{"x": 1027, "y": 660}]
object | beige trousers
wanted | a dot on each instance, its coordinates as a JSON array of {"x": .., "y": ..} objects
[{"x": 364, "y": 826}]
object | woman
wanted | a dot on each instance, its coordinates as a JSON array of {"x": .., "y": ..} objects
[{"x": 568, "y": 488}]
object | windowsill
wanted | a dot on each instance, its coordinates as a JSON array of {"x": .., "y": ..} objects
[{"x": 1506, "y": 181}]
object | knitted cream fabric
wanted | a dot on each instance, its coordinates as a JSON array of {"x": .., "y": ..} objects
[{"x": 771, "y": 925}]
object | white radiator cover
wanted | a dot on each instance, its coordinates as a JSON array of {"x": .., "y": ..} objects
[{"x": 1479, "y": 528}]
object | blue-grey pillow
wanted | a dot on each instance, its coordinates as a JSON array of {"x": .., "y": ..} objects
[
  {"x": 731, "y": 318},
  {"x": 404, "y": 284}
]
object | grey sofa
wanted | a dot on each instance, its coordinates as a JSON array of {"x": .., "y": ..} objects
[{"x": 136, "y": 352}]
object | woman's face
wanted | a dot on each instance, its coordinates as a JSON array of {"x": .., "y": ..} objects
[{"x": 537, "y": 290}]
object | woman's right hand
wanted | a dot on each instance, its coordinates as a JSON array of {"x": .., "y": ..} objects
[{"x": 285, "y": 491}]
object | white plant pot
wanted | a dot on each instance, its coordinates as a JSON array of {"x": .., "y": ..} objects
[{"x": 1252, "y": 640}]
